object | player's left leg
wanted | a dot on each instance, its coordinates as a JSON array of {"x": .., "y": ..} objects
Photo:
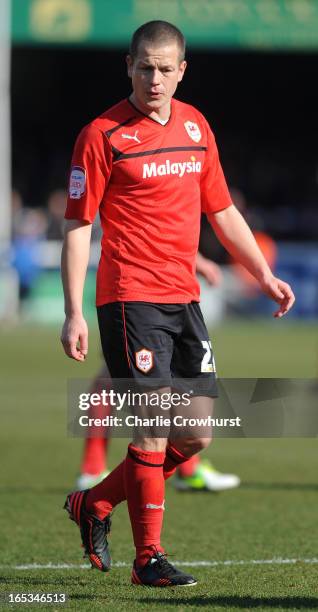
[
  {"x": 193, "y": 358},
  {"x": 193, "y": 370},
  {"x": 195, "y": 474}
]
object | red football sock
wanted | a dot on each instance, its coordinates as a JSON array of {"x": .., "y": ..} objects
[
  {"x": 187, "y": 468},
  {"x": 173, "y": 459},
  {"x": 145, "y": 488},
  {"x": 94, "y": 460},
  {"x": 102, "y": 498}
]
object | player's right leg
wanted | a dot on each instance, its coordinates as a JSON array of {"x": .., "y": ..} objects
[{"x": 145, "y": 487}]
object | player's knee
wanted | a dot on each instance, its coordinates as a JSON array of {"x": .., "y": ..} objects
[
  {"x": 203, "y": 443},
  {"x": 156, "y": 445},
  {"x": 192, "y": 446}
]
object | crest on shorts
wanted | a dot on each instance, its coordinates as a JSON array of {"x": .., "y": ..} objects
[
  {"x": 144, "y": 360},
  {"x": 193, "y": 130},
  {"x": 77, "y": 182}
]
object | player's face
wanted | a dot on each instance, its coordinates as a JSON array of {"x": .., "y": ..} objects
[{"x": 155, "y": 73}]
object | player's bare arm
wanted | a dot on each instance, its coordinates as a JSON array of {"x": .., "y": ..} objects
[
  {"x": 75, "y": 255},
  {"x": 236, "y": 236}
]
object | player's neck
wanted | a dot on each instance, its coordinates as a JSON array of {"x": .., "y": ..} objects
[{"x": 161, "y": 115}]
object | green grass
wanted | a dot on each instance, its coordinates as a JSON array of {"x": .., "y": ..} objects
[{"x": 273, "y": 514}]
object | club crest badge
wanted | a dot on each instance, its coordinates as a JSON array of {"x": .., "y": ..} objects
[
  {"x": 193, "y": 131},
  {"x": 77, "y": 182},
  {"x": 144, "y": 360}
]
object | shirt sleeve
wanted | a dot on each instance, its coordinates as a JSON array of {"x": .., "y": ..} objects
[
  {"x": 90, "y": 172},
  {"x": 215, "y": 195}
]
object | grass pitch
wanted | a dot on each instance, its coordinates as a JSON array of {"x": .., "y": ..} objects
[{"x": 272, "y": 516}]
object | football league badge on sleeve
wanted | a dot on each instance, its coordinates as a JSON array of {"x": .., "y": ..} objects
[
  {"x": 193, "y": 130},
  {"x": 144, "y": 360},
  {"x": 77, "y": 182}
]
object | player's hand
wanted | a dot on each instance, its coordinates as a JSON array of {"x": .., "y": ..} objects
[
  {"x": 280, "y": 292},
  {"x": 74, "y": 337}
]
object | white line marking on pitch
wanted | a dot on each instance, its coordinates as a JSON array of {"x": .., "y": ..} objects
[{"x": 63, "y": 566}]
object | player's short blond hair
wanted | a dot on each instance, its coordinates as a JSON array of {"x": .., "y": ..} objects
[{"x": 157, "y": 32}]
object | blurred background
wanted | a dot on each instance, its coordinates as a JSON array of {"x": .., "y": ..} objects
[{"x": 252, "y": 67}]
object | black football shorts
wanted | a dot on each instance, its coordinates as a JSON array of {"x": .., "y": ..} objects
[{"x": 150, "y": 342}]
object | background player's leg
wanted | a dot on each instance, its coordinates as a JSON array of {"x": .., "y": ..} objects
[
  {"x": 94, "y": 459},
  {"x": 187, "y": 468}
]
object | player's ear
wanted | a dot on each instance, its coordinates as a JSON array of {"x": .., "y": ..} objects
[
  {"x": 129, "y": 62},
  {"x": 182, "y": 68}
]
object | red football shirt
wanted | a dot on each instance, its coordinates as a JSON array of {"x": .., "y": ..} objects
[{"x": 150, "y": 183}]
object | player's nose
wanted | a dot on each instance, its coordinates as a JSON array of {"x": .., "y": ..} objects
[{"x": 155, "y": 77}]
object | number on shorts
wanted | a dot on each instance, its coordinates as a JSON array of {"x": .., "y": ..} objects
[{"x": 207, "y": 363}]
